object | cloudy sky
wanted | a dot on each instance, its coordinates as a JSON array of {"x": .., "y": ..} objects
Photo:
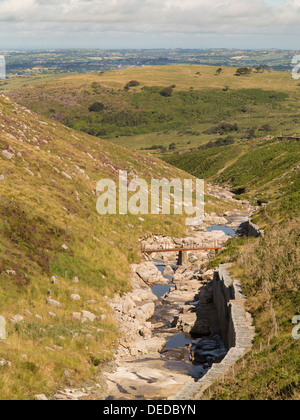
[{"x": 26, "y": 24}]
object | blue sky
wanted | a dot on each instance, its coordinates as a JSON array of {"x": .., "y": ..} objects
[{"x": 239, "y": 24}]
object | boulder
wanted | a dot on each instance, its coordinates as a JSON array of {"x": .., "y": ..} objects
[
  {"x": 87, "y": 316},
  {"x": 40, "y": 397},
  {"x": 201, "y": 328},
  {"x": 76, "y": 315},
  {"x": 142, "y": 295},
  {"x": 148, "y": 310},
  {"x": 5, "y": 363},
  {"x": 185, "y": 322},
  {"x": 149, "y": 272},
  {"x": 53, "y": 303},
  {"x": 16, "y": 319},
  {"x": 75, "y": 297},
  {"x": 209, "y": 350},
  {"x": 168, "y": 271},
  {"x": 7, "y": 154}
]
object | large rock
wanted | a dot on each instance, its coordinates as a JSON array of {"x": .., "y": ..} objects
[
  {"x": 201, "y": 328},
  {"x": 75, "y": 297},
  {"x": 5, "y": 363},
  {"x": 149, "y": 273},
  {"x": 168, "y": 271},
  {"x": 76, "y": 316},
  {"x": 87, "y": 316},
  {"x": 53, "y": 303},
  {"x": 209, "y": 350},
  {"x": 185, "y": 322},
  {"x": 40, "y": 397},
  {"x": 127, "y": 304},
  {"x": 142, "y": 295},
  {"x": 16, "y": 319},
  {"x": 147, "y": 310},
  {"x": 7, "y": 154}
]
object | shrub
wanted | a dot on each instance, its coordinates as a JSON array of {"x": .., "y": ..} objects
[
  {"x": 157, "y": 147},
  {"x": 132, "y": 83},
  {"x": 96, "y": 107},
  {"x": 227, "y": 141},
  {"x": 222, "y": 128},
  {"x": 167, "y": 92},
  {"x": 243, "y": 71}
]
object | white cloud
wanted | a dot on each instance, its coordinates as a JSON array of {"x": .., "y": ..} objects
[{"x": 154, "y": 17}]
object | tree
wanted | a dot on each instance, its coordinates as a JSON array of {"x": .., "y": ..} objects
[
  {"x": 243, "y": 71},
  {"x": 132, "y": 83},
  {"x": 261, "y": 68},
  {"x": 167, "y": 92},
  {"x": 96, "y": 107},
  {"x": 219, "y": 71}
]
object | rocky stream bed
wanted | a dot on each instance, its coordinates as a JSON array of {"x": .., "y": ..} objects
[{"x": 169, "y": 323}]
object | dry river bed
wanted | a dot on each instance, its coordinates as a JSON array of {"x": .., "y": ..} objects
[
  {"x": 171, "y": 333},
  {"x": 169, "y": 324}
]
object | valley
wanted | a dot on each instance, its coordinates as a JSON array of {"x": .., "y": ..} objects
[{"x": 84, "y": 320}]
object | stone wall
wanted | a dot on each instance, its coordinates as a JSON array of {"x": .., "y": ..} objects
[{"x": 237, "y": 332}]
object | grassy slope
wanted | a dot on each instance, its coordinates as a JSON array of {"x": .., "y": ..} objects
[
  {"x": 269, "y": 270},
  {"x": 266, "y": 168},
  {"x": 41, "y": 213},
  {"x": 253, "y": 101}
]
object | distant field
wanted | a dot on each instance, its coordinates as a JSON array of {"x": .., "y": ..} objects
[
  {"x": 141, "y": 118},
  {"x": 184, "y": 76}
]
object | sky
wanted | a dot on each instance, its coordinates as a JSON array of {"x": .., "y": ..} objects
[{"x": 117, "y": 24}]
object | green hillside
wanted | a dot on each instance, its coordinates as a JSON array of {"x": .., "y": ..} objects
[
  {"x": 264, "y": 171},
  {"x": 49, "y": 227},
  {"x": 179, "y": 102},
  {"x": 224, "y": 128},
  {"x": 269, "y": 271}
]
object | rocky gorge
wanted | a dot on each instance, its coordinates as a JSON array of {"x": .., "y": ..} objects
[
  {"x": 171, "y": 329},
  {"x": 171, "y": 334}
]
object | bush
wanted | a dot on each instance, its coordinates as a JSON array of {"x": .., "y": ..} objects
[
  {"x": 167, "y": 92},
  {"x": 156, "y": 147},
  {"x": 227, "y": 141},
  {"x": 132, "y": 83},
  {"x": 96, "y": 107},
  {"x": 243, "y": 71},
  {"x": 222, "y": 128}
]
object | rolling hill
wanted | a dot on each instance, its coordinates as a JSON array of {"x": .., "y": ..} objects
[
  {"x": 134, "y": 103},
  {"x": 49, "y": 227},
  {"x": 222, "y": 127}
]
